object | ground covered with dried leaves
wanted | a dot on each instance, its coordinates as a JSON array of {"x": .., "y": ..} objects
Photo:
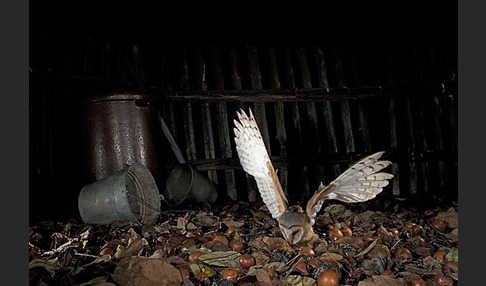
[{"x": 373, "y": 243}]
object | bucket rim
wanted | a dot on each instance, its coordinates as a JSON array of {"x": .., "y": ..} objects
[
  {"x": 145, "y": 187},
  {"x": 187, "y": 190}
]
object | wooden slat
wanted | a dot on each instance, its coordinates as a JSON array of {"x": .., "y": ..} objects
[
  {"x": 291, "y": 84},
  {"x": 392, "y": 121},
  {"x": 363, "y": 129},
  {"x": 345, "y": 109},
  {"x": 256, "y": 83},
  {"x": 310, "y": 106},
  {"x": 311, "y": 110},
  {"x": 169, "y": 106},
  {"x": 421, "y": 145},
  {"x": 279, "y": 118},
  {"x": 296, "y": 120},
  {"x": 191, "y": 153},
  {"x": 236, "y": 84},
  {"x": 263, "y": 96},
  {"x": 222, "y": 119},
  {"x": 412, "y": 175},
  {"x": 331, "y": 138},
  {"x": 206, "y": 124},
  {"x": 392, "y": 111},
  {"x": 439, "y": 143},
  {"x": 235, "y": 74},
  {"x": 279, "y": 162}
]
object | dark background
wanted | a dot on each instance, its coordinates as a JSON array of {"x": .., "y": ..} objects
[{"x": 75, "y": 53}]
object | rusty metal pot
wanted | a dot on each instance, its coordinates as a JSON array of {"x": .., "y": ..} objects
[{"x": 121, "y": 129}]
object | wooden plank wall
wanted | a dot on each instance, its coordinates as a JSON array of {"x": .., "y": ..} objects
[
  {"x": 320, "y": 109},
  {"x": 314, "y": 130}
]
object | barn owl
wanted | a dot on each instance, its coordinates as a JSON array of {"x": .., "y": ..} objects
[{"x": 359, "y": 183}]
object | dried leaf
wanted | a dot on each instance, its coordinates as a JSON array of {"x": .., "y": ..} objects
[
  {"x": 104, "y": 258},
  {"x": 298, "y": 280},
  {"x": 98, "y": 281},
  {"x": 195, "y": 269},
  {"x": 258, "y": 243},
  {"x": 229, "y": 222},
  {"x": 181, "y": 223},
  {"x": 206, "y": 220},
  {"x": 450, "y": 217},
  {"x": 330, "y": 257},
  {"x": 50, "y": 267},
  {"x": 190, "y": 226},
  {"x": 263, "y": 277},
  {"x": 277, "y": 266},
  {"x": 382, "y": 280},
  {"x": 335, "y": 210},
  {"x": 453, "y": 255},
  {"x": 221, "y": 258},
  {"x": 260, "y": 259},
  {"x": 142, "y": 271},
  {"x": 131, "y": 250},
  {"x": 277, "y": 243}
]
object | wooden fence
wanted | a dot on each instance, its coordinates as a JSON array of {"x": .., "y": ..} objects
[{"x": 313, "y": 131}]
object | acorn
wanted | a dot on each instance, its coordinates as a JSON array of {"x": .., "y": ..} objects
[
  {"x": 428, "y": 212},
  {"x": 302, "y": 268},
  {"x": 440, "y": 254},
  {"x": 395, "y": 231},
  {"x": 106, "y": 251},
  {"x": 230, "y": 231},
  {"x": 403, "y": 254},
  {"x": 230, "y": 274},
  {"x": 307, "y": 251},
  {"x": 335, "y": 234},
  {"x": 417, "y": 228},
  {"x": 439, "y": 225},
  {"x": 246, "y": 261},
  {"x": 346, "y": 231},
  {"x": 443, "y": 281},
  {"x": 328, "y": 277},
  {"x": 388, "y": 272},
  {"x": 409, "y": 225},
  {"x": 193, "y": 257},
  {"x": 201, "y": 276},
  {"x": 418, "y": 240},
  {"x": 236, "y": 245},
  {"x": 222, "y": 239}
]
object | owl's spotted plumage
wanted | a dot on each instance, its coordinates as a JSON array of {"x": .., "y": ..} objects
[{"x": 361, "y": 182}]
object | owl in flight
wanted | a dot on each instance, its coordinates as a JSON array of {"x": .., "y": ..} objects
[{"x": 359, "y": 183}]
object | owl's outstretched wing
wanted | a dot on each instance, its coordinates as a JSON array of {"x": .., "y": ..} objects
[
  {"x": 359, "y": 183},
  {"x": 255, "y": 161}
]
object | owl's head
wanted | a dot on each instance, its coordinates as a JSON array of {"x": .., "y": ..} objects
[{"x": 292, "y": 224}]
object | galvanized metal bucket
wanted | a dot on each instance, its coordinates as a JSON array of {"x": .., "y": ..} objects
[
  {"x": 186, "y": 184},
  {"x": 127, "y": 195}
]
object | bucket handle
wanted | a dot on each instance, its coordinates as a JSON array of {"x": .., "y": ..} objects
[{"x": 192, "y": 176}]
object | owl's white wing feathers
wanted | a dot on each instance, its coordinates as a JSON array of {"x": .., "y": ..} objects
[
  {"x": 255, "y": 161},
  {"x": 359, "y": 183}
]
